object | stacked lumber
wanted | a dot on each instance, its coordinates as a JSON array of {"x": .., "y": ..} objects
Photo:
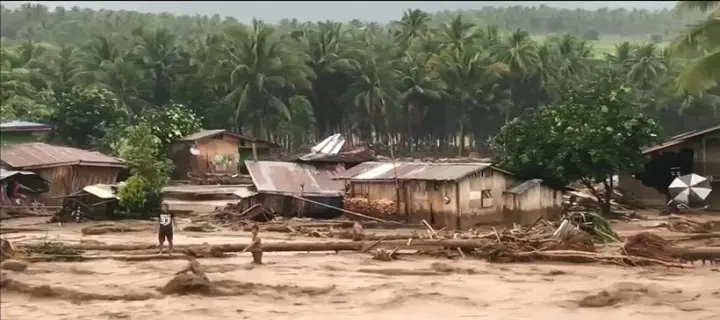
[{"x": 370, "y": 208}]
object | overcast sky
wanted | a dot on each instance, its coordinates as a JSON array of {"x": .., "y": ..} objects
[{"x": 380, "y": 11}]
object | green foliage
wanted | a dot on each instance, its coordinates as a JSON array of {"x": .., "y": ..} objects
[
  {"x": 420, "y": 82},
  {"x": 138, "y": 196},
  {"x": 598, "y": 132},
  {"x": 84, "y": 115},
  {"x": 171, "y": 122},
  {"x": 142, "y": 152}
]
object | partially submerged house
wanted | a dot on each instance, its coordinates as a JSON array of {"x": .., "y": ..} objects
[
  {"x": 279, "y": 184},
  {"x": 530, "y": 200},
  {"x": 67, "y": 169},
  {"x": 448, "y": 195},
  {"x": 16, "y": 131},
  {"x": 697, "y": 151},
  {"x": 215, "y": 151}
]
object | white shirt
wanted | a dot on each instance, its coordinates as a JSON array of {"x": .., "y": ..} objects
[{"x": 165, "y": 219}]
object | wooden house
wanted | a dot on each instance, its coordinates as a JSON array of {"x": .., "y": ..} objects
[
  {"x": 67, "y": 169},
  {"x": 697, "y": 151},
  {"x": 446, "y": 195},
  {"x": 216, "y": 151}
]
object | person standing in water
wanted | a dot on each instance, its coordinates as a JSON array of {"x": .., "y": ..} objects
[
  {"x": 193, "y": 265},
  {"x": 358, "y": 234},
  {"x": 165, "y": 228},
  {"x": 255, "y": 246}
]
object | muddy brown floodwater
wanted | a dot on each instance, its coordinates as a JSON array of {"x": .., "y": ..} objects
[{"x": 322, "y": 286}]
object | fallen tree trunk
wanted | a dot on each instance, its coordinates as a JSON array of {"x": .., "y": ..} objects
[{"x": 280, "y": 246}]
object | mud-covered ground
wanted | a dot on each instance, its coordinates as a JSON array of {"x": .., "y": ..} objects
[{"x": 345, "y": 286}]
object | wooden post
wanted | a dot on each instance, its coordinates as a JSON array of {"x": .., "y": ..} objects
[{"x": 254, "y": 149}]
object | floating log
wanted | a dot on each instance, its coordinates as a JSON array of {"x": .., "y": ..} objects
[{"x": 279, "y": 246}]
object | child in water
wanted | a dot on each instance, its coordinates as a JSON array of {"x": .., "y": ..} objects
[{"x": 255, "y": 246}]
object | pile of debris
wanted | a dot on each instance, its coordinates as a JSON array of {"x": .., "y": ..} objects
[
  {"x": 375, "y": 208},
  {"x": 233, "y": 213}
]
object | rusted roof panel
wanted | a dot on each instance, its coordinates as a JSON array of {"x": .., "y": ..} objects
[
  {"x": 413, "y": 171},
  {"x": 288, "y": 178},
  {"x": 678, "y": 139},
  {"x": 41, "y": 155}
]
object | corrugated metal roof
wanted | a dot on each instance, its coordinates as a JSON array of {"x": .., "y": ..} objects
[
  {"x": 413, "y": 171},
  {"x": 102, "y": 191},
  {"x": 41, "y": 155},
  {"x": 19, "y": 125},
  {"x": 9, "y": 173},
  {"x": 331, "y": 145},
  {"x": 525, "y": 186},
  {"x": 678, "y": 139},
  {"x": 289, "y": 178}
]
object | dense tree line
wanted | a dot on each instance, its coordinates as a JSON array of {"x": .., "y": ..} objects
[{"x": 419, "y": 82}]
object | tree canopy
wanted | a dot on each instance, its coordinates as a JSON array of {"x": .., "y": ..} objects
[
  {"x": 442, "y": 82},
  {"x": 597, "y": 132}
]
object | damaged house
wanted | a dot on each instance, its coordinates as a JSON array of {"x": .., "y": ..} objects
[
  {"x": 68, "y": 170},
  {"x": 279, "y": 184},
  {"x": 450, "y": 195}
]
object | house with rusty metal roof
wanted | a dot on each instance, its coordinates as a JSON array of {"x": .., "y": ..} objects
[
  {"x": 216, "y": 151},
  {"x": 282, "y": 186},
  {"x": 16, "y": 131},
  {"x": 67, "y": 169},
  {"x": 446, "y": 195},
  {"x": 696, "y": 151}
]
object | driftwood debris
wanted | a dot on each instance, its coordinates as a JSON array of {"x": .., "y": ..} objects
[{"x": 352, "y": 213}]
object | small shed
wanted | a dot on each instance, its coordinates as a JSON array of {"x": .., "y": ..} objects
[
  {"x": 215, "y": 151},
  {"x": 531, "y": 200},
  {"x": 67, "y": 169},
  {"x": 16, "y": 131}
]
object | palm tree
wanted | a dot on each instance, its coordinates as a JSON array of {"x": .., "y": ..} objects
[
  {"x": 262, "y": 73},
  {"x": 701, "y": 46}
]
